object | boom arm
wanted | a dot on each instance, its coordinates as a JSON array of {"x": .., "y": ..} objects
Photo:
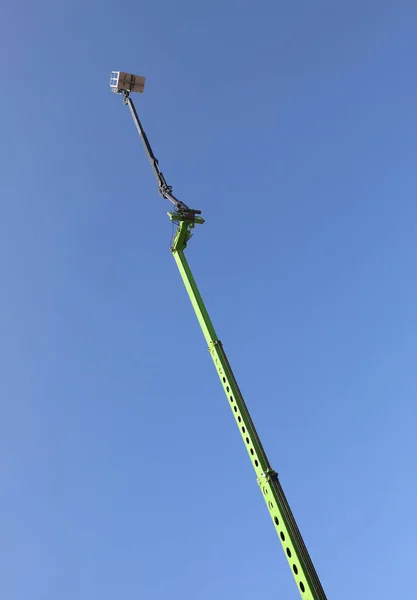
[
  {"x": 292, "y": 543},
  {"x": 285, "y": 525}
]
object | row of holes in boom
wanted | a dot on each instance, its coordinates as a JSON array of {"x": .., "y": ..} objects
[{"x": 256, "y": 463}]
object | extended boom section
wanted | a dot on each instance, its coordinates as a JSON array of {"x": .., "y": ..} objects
[{"x": 292, "y": 543}]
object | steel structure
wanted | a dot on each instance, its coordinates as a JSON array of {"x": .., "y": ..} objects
[{"x": 298, "y": 558}]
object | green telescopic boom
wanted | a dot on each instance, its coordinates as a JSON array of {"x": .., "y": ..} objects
[{"x": 298, "y": 558}]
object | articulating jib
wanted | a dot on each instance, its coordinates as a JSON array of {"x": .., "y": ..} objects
[{"x": 181, "y": 209}]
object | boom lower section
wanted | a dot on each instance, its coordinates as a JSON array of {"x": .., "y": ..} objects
[{"x": 292, "y": 543}]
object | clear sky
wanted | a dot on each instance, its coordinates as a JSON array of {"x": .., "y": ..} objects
[{"x": 293, "y": 127}]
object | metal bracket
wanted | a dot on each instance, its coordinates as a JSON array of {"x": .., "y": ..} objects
[{"x": 269, "y": 475}]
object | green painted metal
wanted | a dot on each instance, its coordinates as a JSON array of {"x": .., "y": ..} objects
[{"x": 292, "y": 543}]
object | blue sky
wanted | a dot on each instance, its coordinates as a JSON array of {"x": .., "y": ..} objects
[{"x": 293, "y": 127}]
